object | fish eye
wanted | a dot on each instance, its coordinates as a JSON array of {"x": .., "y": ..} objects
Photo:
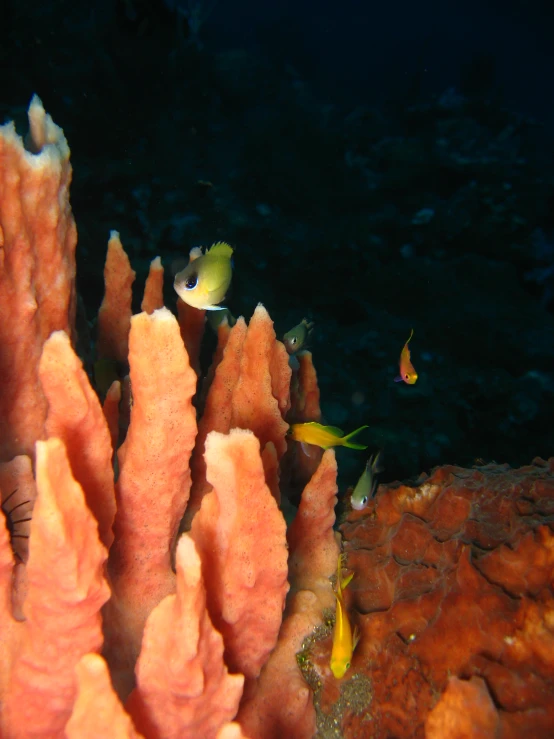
[
  {"x": 192, "y": 282},
  {"x": 293, "y": 340},
  {"x": 364, "y": 500}
]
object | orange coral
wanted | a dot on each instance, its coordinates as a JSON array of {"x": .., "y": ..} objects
[
  {"x": 114, "y": 316},
  {"x": 97, "y": 711},
  {"x": 75, "y": 416},
  {"x": 250, "y": 389},
  {"x": 183, "y": 687},
  {"x": 452, "y": 579},
  {"x": 153, "y": 484},
  {"x": 464, "y": 710},
  {"x": 54, "y": 616},
  {"x": 154, "y": 288},
  {"x": 62, "y": 607},
  {"x": 314, "y": 549},
  {"x": 37, "y": 271},
  {"x": 240, "y": 535}
]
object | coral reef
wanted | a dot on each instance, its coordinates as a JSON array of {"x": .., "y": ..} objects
[
  {"x": 453, "y": 595},
  {"x": 151, "y": 587},
  {"x": 107, "y": 615}
]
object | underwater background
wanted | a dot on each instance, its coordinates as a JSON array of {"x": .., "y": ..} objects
[{"x": 377, "y": 169}]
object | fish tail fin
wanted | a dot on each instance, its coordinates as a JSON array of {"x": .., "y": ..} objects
[
  {"x": 375, "y": 462},
  {"x": 346, "y": 581},
  {"x": 346, "y": 440},
  {"x": 342, "y": 582}
]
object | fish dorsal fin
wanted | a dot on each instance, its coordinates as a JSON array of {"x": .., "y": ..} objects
[
  {"x": 221, "y": 249},
  {"x": 334, "y": 430}
]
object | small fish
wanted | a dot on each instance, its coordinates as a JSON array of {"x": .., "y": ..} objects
[
  {"x": 324, "y": 436},
  {"x": 344, "y": 641},
  {"x": 298, "y": 337},
  {"x": 367, "y": 484},
  {"x": 407, "y": 371},
  {"x": 205, "y": 281}
]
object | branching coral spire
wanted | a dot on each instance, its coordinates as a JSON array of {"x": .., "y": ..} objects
[
  {"x": 240, "y": 535},
  {"x": 183, "y": 687},
  {"x": 153, "y": 484},
  {"x": 37, "y": 271}
]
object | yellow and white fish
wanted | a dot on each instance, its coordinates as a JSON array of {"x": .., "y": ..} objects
[
  {"x": 298, "y": 337},
  {"x": 344, "y": 640},
  {"x": 205, "y": 280},
  {"x": 367, "y": 484}
]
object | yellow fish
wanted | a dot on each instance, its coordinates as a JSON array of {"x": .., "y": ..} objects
[
  {"x": 324, "y": 436},
  {"x": 367, "y": 484},
  {"x": 297, "y": 338},
  {"x": 205, "y": 280},
  {"x": 407, "y": 371},
  {"x": 344, "y": 641}
]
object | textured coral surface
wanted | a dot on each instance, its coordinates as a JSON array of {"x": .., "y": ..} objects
[{"x": 453, "y": 579}]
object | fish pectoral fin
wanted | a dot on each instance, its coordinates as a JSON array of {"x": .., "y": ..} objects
[
  {"x": 305, "y": 448},
  {"x": 215, "y": 307},
  {"x": 355, "y": 637}
]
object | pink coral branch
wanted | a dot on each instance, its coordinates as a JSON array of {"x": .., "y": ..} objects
[
  {"x": 183, "y": 688},
  {"x": 153, "y": 485},
  {"x": 249, "y": 390},
  {"x": 240, "y": 535},
  {"x": 97, "y": 711},
  {"x": 66, "y": 591},
  {"x": 312, "y": 541},
  {"x": 114, "y": 316},
  {"x": 75, "y": 416},
  {"x": 37, "y": 271}
]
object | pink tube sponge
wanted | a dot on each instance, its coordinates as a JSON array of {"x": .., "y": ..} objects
[
  {"x": 37, "y": 270},
  {"x": 183, "y": 687},
  {"x": 62, "y": 608},
  {"x": 240, "y": 534},
  {"x": 75, "y": 416},
  {"x": 153, "y": 485}
]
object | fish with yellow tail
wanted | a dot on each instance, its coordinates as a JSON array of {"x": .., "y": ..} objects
[
  {"x": 367, "y": 484},
  {"x": 298, "y": 337},
  {"x": 324, "y": 436},
  {"x": 407, "y": 370},
  {"x": 204, "y": 282},
  {"x": 344, "y": 639}
]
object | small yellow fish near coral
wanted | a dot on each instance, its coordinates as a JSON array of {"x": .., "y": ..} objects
[
  {"x": 407, "y": 371},
  {"x": 298, "y": 337},
  {"x": 344, "y": 641},
  {"x": 324, "y": 436},
  {"x": 205, "y": 280},
  {"x": 367, "y": 484}
]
